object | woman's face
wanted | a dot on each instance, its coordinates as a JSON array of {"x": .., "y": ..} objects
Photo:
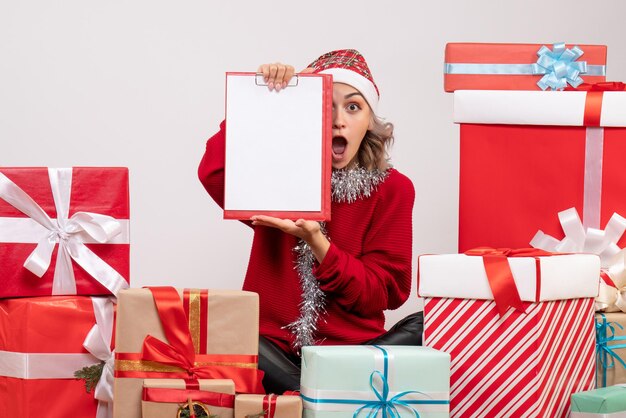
[{"x": 351, "y": 119}]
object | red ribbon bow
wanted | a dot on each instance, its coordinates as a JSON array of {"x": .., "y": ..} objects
[
  {"x": 180, "y": 352},
  {"x": 499, "y": 274},
  {"x": 593, "y": 102}
]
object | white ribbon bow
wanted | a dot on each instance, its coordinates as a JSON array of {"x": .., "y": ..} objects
[
  {"x": 593, "y": 241},
  {"x": 68, "y": 233},
  {"x": 98, "y": 343}
]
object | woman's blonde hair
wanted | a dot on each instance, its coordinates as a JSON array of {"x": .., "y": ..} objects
[{"x": 373, "y": 150}]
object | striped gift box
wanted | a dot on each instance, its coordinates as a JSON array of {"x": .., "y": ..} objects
[{"x": 520, "y": 364}]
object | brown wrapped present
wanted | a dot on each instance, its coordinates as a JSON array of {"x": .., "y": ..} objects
[
  {"x": 167, "y": 333},
  {"x": 611, "y": 348},
  {"x": 268, "y": 406},
  {"x": 166, "y": 398}
]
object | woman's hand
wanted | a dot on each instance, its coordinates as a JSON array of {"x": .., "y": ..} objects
[
  {"x": 277, "y": 75},
  {"x": 309, "y": 231}
]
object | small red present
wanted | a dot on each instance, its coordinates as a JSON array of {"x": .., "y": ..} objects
[
  {"x": 489, "y": 66},
  {"x": 63, "y": 231}
]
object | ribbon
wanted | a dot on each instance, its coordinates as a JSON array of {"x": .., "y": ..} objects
[
  {"x": 68, "y": 233},
  {"x": 382, "y": 403},
  {"x": 178, "y": 358},
  {"x": 43, "y": 365},
  {"x": 98, "y": 343},
  {"x": 594, "y": 144},
  {"x": 500, "y": 277},
  {"x": 221, "y": 400},
  {"x": 579, "y": 239},
  {"x": 269, "y": 405},
  {"x": 605, "y": 334},
  {"x": 603, "y": 243},
  {"x": 557, "y": 66}
]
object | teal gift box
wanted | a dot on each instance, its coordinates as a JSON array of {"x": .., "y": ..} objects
[
  {"x": 608, "y": 402},
  {"x": 365, "y": 380}
]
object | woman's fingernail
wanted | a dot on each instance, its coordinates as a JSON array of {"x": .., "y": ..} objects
[{"x": 278, "y": 86}]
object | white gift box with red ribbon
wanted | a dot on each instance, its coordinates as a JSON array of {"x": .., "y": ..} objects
[{"x": 511, "y": 362}]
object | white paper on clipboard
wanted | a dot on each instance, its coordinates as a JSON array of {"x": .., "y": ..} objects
[{"x": 274, "y": 146}]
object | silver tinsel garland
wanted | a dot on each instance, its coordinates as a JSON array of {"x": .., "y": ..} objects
[
  {"x": 346, "y": 186},
  {"x": 356, "y": 183}
]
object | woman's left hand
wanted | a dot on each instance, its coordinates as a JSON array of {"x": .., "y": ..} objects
[{"x": 309, "y": 231}]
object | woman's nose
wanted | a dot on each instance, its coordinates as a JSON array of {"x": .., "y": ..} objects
[{"x": 338, "y": 120}]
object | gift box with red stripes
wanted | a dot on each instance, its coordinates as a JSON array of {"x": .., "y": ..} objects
[{"x": 524, "y": 351}]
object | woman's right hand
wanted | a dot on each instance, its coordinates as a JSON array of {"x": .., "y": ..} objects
[{"x": 277, "y": 75}]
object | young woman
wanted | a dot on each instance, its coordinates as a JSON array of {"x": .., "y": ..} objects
[{"x": 330, "y": 283}]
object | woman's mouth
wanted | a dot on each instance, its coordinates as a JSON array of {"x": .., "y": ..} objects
[{"x": 339, "y": 145}]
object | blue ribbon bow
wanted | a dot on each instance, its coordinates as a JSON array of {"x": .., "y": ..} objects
[
  {"x": 605, "y": 352},
  {"x": 387, "y": 406},
  {"x": 559, "y": 67}
]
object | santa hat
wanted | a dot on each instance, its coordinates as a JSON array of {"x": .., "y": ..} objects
[{"x": 348, "y": 66}]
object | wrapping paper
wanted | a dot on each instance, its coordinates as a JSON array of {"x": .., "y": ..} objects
[
  {"x": 515, "y": 178},
  {"x": 513, "y": 365},
  {"x": 223, "y": 325},
  {"x": 480, "y": 75},
  {"x": 274, "y": 406},
  {"x": 162, "y": 397},
  {"x": 609, "y": 402},
  {"x": 339, "y": 381},
  {"x": 610, "y": 370},
  {"x": 41, "y": 346},
  {"x": 100, "y": 191}
]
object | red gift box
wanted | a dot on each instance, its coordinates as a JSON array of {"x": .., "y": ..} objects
[
  {"x": 41, "y": 347},
  {"x": 526, "y": 156},
  {"x": 67, "y": 226},
  {"x": 525, "y": 362},
  {"x": 488, "y": 66}
]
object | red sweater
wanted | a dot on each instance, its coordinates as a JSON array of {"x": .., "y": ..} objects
[{"x": 366, "y": 270}]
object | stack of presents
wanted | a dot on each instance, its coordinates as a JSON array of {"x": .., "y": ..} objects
[{"x": 525, "y": 321}]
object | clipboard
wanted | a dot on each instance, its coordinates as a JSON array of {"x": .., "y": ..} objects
[{"x": 278, "y": 147}]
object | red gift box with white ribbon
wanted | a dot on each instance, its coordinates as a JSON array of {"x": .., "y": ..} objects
[
  {"x": 63, "y": 231},
  {"x": 44, "y": 341}
]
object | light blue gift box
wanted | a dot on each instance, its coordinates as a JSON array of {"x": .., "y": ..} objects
[
  {"x": 375, "y": 381},
  {"x": 608, "y": 402}
]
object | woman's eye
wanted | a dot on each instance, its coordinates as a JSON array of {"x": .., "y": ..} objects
[{"x": 353, "y": 107}]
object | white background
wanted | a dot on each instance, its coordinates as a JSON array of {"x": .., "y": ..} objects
[{"x": 140, "y": 83}]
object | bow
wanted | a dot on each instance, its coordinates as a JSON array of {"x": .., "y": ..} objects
[
  {"x": 387, "y": 406},
  {"x": 603, "y": 350},
  {"x": 179, "y": 355},
  {"x": 559, "y": 67},
  {"x": 603, "y": 243},
  {"x": 499, "y": 274},
  {"x": 580, "y": 240},
  {"x": 98, "y": 343},
  {"x": 68, "y": 232}
]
